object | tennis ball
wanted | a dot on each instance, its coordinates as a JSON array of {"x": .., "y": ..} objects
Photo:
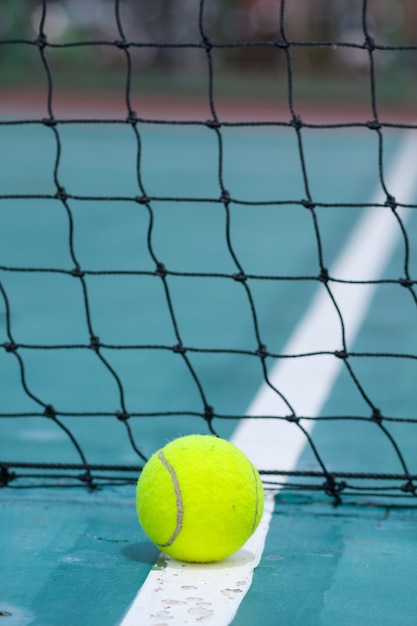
[{"x": 199, "y": 498}]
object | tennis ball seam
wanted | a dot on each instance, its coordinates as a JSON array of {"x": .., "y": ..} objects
[
  {"x": 178, "y": 499},
  {"x": 254, "y": 525}
]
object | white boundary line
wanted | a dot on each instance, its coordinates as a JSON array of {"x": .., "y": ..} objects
[
  {"x": 177, "y": 594},
  {"x": 307, "y": 382}
]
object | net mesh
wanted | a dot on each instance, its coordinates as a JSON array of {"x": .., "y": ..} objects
[{"x": 217, "y": 49}]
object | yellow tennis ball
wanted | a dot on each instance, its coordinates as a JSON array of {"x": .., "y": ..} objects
[{"x": 199, "y": 498}]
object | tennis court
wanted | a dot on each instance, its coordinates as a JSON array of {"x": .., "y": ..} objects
[{"x": 207, "y": 267}]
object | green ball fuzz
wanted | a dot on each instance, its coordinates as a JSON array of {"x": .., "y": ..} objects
[{"x": 199, "y": 498}]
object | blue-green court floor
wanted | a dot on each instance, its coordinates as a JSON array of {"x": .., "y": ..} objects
[
  {"x": 77, "y": 558},
  {"x": 80, "y": 559}
]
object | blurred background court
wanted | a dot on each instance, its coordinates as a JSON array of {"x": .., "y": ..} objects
[{"x": 325, "y": 74}]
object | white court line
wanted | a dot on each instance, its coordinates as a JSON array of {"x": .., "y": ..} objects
[
  {"x": 307, "y": 382},
  {"x": 176, "y": 594}
]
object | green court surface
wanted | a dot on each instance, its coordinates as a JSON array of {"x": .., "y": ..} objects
[
  {"x": 352, "y": 565},
  {"x": 80, "y": 560},
  {"x": 70, "y": 558},
  {"x": 77, "y": 558}
]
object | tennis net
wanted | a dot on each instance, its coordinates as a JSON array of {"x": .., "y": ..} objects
[{"x": 108, "y": 286}]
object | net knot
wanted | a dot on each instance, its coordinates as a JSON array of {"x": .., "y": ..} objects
[
  {"x": 213, "y": 124},
  {"x": 121, "y": 43},
  {"x": 179, "y": 349},
  {"x": 281, "y": 43},
  {"x": 373, "y": 125},
  {"x": 87, "y": 478},
  {"x": 61, "y": 194},
  {"x": 10, "y": 347},
  {"x": 142, "y": 199},
  {"x": 369, "y": 43},
  {"x": 333, "y": 488},
  {"x": 206, "y": 44},
  {"x": 341, "y": 354},
  {"x": 377, "y": 416},
  {"x": 408, "y": 487},
  {"x": 308, "y": 204},
  {"x": 161, "y": 270},
  {"x": 296, "y": 122},
  {"x": 293, "y": 419},
  {"x": 324, "y": 275},
  {"x": 49, "y": 121},
  {"x": 41, "y": 41},
  {"x": 208, "y": 412},
  {"x": 6, "y": 476},
  {"x": 262, "y": 351},
  {"x": 225, "y": 197},
  {"x": 77, "y": 272},
  {"x": 122, "y": 416},
  {"x": 405, "y": 282},
  {"x": 49, "y": 411},
  {"x": 240, "y": 277},
  {"x": 132, "y": 118},
  {"x": 391, "y": 202},
  {"x": 94, "y": 343}
]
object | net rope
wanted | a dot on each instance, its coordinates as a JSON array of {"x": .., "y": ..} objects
[{"x": 84, "y": 472}]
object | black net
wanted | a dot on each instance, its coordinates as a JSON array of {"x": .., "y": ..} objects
[{"x": 313, "y": 69}]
